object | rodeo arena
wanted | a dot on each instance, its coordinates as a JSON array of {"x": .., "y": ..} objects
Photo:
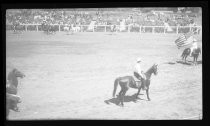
[{"x": 104, "y": 64}]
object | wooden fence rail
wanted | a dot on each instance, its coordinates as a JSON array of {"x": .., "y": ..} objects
[{"x": 129, "y": 28}]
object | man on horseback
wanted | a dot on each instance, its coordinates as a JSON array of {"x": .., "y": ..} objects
[
  {"x": 194, "y": 46},
  {"x": 113, "y": 28},
  {"x": 16, "y": 23},
  {"x": 138, "y": 73}
]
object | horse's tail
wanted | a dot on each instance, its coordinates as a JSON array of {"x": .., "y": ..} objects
[
  {"x": 115, "y": 86},
  {"x": 185, "y": 52}
]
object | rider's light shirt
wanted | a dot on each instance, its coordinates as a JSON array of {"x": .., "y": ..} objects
[{"x": 138, "y": 69}]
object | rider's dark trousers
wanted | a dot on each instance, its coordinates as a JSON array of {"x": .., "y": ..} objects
[{"x": 140, "y": 78}]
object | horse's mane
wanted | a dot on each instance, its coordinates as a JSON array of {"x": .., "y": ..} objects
[{"x": 149, "y": 69}]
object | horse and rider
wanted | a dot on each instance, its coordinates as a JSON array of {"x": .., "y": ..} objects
[
  {"x": 193, "y": 51},
  {"x": 16, "y": 26},
  {"x": 12, "y": 99},
  {"x": 139, "y": 74},
  {"x": 113, "y": 28},
  {"x": 139, "y": 80},
  {"x": 47, "y": 28}
]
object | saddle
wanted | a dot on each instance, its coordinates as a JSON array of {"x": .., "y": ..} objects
[
  {"x": 136, "y": 79},
  {"x": 138, "y": 82}
]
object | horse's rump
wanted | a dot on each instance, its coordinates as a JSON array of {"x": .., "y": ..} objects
[
  {"x": 124, "y": 79},
  {"x": 130, "y": 81},
  {"x": 196, "y": 51}
]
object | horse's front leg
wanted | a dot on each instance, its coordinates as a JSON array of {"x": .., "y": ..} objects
[
  {"x": 194, "y": 60},
  {"x": 185, "y": 58},
  {"x": 147, "y": 91},
  {"x": 138, "y": 93}
]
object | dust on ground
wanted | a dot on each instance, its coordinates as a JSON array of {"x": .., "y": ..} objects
[{"x": 72, "y": 76}]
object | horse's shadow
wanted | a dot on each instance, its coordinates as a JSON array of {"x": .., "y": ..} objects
[
  {"x": 116, "y": 100},
  {"x": 184, "y": 63},
  {"x": 198, "y": 62},
  {"x": 171, "y": 63},
  {"x": 189, "y": 62}
]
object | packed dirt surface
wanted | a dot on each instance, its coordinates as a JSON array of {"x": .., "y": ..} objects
[{"x": 72, "y": 76}]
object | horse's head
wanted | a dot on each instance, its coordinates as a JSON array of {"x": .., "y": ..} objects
[
  {"x": 18, "y": 73},
  {"x": 154, "y": 68}
]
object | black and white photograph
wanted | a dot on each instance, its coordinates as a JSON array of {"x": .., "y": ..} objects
[{"x": 120, "y": 63}]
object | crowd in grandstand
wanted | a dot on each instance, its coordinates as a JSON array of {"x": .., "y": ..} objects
[{"x": 152, "y": 18}]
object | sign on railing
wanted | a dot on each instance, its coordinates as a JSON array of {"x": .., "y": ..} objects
[{"x": 107, "y": 28}]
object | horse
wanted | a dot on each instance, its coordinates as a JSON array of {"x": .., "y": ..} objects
[
  {"x": 195, "y": 54},
  {"x": 133, "y": 26},
  {"x": 11, "y": 89},
  {"x": 47, "y": 28},
  {"x": 127, "y": 82},
  {"x": 52, "y": 29},
  {"x": 113, "y": 28}
]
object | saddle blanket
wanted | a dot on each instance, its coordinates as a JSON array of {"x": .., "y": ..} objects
[{"x": 138, "y": 82}]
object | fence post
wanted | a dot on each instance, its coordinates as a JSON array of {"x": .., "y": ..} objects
[
  {"x": 153, "y": 29},
  {"x": 59, "y": 27},
  {"x": 105, "y": 28},
  {"x": 177, "y": 29},
  {"x": 37, "y": 29},
  {"x": 140, "y": 29},
  {"x": 190, "y": 28},
  {"x": 93, "y": 28},
  {"x": 129, "y": 28},
  {"x": 164, "y": 30},
  {"x": 26, "y": 27}
]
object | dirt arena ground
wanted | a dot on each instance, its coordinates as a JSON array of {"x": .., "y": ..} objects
[{"x": 72, "y": 76}]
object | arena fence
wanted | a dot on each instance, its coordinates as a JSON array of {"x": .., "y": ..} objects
[{"x": 107, "y": 28}]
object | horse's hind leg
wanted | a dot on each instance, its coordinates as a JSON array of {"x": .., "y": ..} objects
[
  {"x": 120, "y": 95},
  {"x": 14, "y": 106},
  {"x": 123, "y": 95},
  {"x": 196, "y": 60}
]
